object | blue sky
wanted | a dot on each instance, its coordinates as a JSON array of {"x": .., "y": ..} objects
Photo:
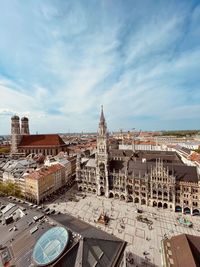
[{"x": 60, "y": 60}]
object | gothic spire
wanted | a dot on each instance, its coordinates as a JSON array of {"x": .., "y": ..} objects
[
  {"x": 102, "y": 118},
  {"x": 102, "y": 123}
]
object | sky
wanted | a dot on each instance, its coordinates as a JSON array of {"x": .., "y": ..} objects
[{"x": 61, "y": 60}]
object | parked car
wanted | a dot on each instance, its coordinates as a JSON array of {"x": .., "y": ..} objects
[
  {"x": 46, "y": 210},
  {"x": 52, "y": 211},
  {"x": 139, "y": 211}
]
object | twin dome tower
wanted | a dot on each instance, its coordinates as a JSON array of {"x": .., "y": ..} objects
[{"x": 17, "y": 132}]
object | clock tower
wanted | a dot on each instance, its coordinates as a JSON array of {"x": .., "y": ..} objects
[{"x": 102, "y": 157}]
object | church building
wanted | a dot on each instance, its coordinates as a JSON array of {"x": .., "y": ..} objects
[{"x": 24, "y": 142}]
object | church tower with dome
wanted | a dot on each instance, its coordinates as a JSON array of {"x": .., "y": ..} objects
[
  {"x": 24, "y": 126},
  {"x": 22, "y": 142},
  {"x": 15, "y": 134}
]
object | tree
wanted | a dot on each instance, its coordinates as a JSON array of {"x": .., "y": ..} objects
[
  {"x": 4, "y": 150},
  {"x": 10, "y": 188}
]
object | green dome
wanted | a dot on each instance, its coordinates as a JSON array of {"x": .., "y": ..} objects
[
  {"x": 15, "y": 117},
  {"x": 24, "y": 119}
]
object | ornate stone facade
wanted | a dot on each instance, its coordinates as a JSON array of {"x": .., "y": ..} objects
[{"x": 155, "y": 178}]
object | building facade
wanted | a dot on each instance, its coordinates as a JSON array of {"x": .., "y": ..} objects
[
  {"x": 42, "y": 183},
  {"x": 154, "y": 178},
  {"x": 69, "y": 163}
]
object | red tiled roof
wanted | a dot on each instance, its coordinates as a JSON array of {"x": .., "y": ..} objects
[
  {"x": 194, "y": 157},
  {"x": 45, "y": 170},
  {"x": 41, "y": 140}
]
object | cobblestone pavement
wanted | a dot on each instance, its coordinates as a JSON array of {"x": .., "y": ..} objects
[{"x": 123, "y": 223}]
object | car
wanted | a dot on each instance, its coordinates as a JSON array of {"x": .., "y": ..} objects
[
  {"x": 29, "y": 223},
  {"x": 35, "y": 218},
  {"x": 10, "y": 229},
  {"x": 52, "y": 211},
  {"x": 46, "y": 209}
]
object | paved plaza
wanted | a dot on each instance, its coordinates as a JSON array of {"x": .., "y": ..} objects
[{"x": 124, "y": 224}]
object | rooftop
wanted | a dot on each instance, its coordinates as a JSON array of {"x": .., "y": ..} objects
[
  {"x": 41, "y": 140},
  {"x": 71, "y": 243},
  {"x": 182, "y": 250},
  {"x": 44, "y": 171}
]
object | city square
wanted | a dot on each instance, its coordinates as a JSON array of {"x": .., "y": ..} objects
[
  {"x": 99, "y": 133},
  {"x": 144, "y": 243}
]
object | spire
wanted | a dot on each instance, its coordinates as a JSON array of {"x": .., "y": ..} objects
[
  {"x": 102, "y": 123},
  {"x": 102, "y": 118}
]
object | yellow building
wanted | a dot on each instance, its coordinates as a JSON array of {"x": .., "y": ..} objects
[{"x": 43, "y": 182}]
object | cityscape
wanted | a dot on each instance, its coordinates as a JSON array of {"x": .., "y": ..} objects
[{"x": 99, "y": 134}]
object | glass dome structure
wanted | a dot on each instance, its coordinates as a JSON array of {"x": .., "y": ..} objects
[{"x": 50, "y": 246}]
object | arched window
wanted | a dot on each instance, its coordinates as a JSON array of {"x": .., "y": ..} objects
[{"x": 165, "y": 194}]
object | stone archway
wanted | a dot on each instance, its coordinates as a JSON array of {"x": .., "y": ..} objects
[
  {"x": 187, "y": 210},
  {"x": 89, "y": 189},
  {"x": 111, "y": 195},
  {"x": 143, "y": 202},
  {"x": 130, "y": 198},
  {"x": 136, "y": 200},
  {"x": 165, "y": 206},
  {"x": 154, "y": 204},
  {"x": 94, "y": 191},
  {"x": 178, "y": 209},
  {"x": 122, "y": 197},
  {"x": 159, "y": 204},
  {"x": 116, "y": 195},
  {"x": 80, "y": 188},
  {"x": 195, "y": 212}
]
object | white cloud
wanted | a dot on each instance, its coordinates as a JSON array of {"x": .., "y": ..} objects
[{"x": 70, "y": 58}]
